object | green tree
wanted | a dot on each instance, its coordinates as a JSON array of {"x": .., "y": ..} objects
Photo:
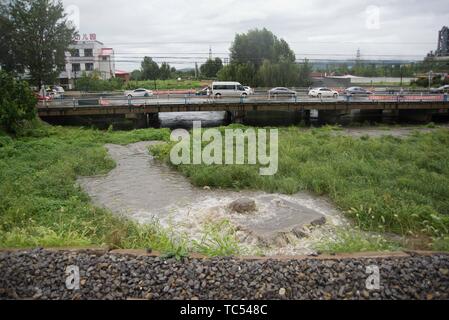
[
  {"x": 38, "y": 37},
  {"x": 256, "y": 46},
  {"x": 227, "y": 73},
  {"x": 211, "y": 68},
  {"x": 17, "y": 102},
  {"x": 305, "y": 71},
  {"x": 7, "y": 55},
  {"x": 259, "y": 58},
  {"x": 136, "y": 75},
  {"x": 164, "y": 71},
  {"x": 93, "y": 83},
  {"x": 150, "y": 69}
]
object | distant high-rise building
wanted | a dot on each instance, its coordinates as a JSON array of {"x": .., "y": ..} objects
[{"x": 443, "y": 43}]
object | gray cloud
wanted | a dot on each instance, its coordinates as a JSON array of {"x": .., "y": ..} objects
[{"x": 318, "y": 29}]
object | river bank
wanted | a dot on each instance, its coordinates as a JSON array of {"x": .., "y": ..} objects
[{"x": 400, "y": 181}]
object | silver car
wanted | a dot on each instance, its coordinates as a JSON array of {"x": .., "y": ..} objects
[
  {"x": 281, "y": 91},
  {"x": 441, "y": 89},
  {"x": 357, "y": 91}
]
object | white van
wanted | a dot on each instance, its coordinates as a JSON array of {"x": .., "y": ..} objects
[{"x": 228, "y": 89}]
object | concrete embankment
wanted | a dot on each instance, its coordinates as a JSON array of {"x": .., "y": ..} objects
[{"x": 41, "y": 274}]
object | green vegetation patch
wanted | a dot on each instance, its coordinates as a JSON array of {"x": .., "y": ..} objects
[
  {"x": 165, "y": 84},
  {"x": 349, "y": 241},
  {"x": 40, "y": 203}
]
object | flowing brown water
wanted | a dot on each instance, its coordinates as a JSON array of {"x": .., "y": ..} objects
[{"x": 143, "y": 189}]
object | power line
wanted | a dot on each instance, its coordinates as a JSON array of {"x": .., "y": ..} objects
[
  {"x": 208, "y": 42},
  {"x": 143, "y": 54}
]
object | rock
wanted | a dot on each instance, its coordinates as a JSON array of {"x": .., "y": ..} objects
[
  {"x": 207, "y": 188},
  {"x": 149, "y": 296},
  {"x": 365, "y": 294},
  {"x": 229, "y": 278},
  {"x": 319, "y": 222},
  {"x": 299, "y": 232},
  {"x": 282, "y": 292},
  {"x": 243, "y": 205}
]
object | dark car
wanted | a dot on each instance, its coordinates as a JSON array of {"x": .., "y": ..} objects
[
  {"x": 280, "y": 91},
  {"x": 357, "y": 91},
  {"x": 202, "y": 92}
]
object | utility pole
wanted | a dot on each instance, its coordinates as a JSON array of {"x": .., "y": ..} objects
[{"x": 430, "y": 78}]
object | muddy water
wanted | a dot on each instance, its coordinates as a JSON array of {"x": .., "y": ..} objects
[
  {"x": 145, "y": 190},
  {"x": 185, "y": 119}
]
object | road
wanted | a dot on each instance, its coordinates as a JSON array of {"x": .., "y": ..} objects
[{"x": 109, "y": 100}]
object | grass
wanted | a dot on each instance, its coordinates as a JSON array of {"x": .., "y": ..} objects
[
  {"x": 218, "y": 240},
  {"x": 355, "y": 241},
  {"x": 41, "y": 206},
  {"x": 441, "y": 244},
  {"x": 384, "y": 184}
]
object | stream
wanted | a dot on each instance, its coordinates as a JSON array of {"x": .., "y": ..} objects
[{"x": 145, "y": 190}]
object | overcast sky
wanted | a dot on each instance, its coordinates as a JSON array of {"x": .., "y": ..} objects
[{"x": 180, "y": 32}]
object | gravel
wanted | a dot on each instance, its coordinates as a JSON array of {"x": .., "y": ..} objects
[{"x": 41, "y": 274}]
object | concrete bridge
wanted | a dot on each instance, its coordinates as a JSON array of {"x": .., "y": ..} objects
[{"x": 147, "y": 114}]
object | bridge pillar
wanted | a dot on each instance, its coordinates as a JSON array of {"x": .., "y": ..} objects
[
  {"x": 152, "y": 120},
  {"x": 329, "y": 116},
  {"x": 235, "y": 116},
  {"x": 421, "y": 116},
  {"x": 370, "y": 116},
  {"x": 299, "y": 116},
  {"x": 144, "y": 120},
  {"x": 229, "y": 118},
  {"x": 390, "y": 116}
]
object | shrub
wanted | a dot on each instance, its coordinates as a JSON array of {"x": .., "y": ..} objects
[
  {"x": 17, "y": 103},
  {"x": 93, "y": 83}
]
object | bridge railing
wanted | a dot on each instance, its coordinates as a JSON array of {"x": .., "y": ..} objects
[
  {"x": 198, "y": 100},
  {"x": 408, "y": 97}
]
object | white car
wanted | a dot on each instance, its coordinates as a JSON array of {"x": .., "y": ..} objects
[
  {"x": 138, "y": 93},
  {"x": 57, "y": 92},
  {"x": 323, "y": 92},
  {"x": 441, "y": 89},
  {"x": 248, "y": 90}
]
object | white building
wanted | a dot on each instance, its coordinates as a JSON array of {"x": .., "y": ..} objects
[{"x": 86, "y": 56}]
